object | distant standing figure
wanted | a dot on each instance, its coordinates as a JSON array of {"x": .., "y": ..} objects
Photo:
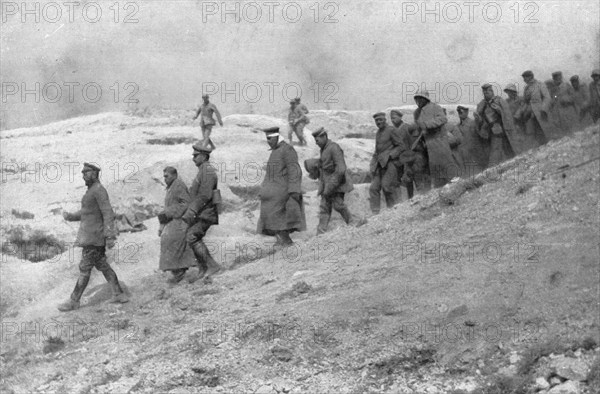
[
  {"x": 96, "y": 233},
  {"x": 582, "y": 101},
  {"x": 385, "y": 164},
  {"x": 175, "y": 254},
  {"x": 535, "y": 110},
  {"x": 521, "y": 141},
  {"x": 301, "y": 106},
  {"x": 411, "y": 163},
  {"x": 297, "y": 119},
  {"x": 455, "y": 140},
  {"x": 595, "y": 96},
  {"x": 206, "y": 110},
  {"x": 566, "y": 114},
  {"x": 333, "y": 182},
  {"x": 281, "y": 204}
]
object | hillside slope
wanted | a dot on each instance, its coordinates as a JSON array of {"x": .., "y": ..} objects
[{"x": 433, "y": 296}]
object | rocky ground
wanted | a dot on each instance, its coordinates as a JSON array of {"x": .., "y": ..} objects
[{"x": 487, "y": 286}]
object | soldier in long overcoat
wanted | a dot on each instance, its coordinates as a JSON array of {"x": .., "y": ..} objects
[
  {"x": 97, "y": 232},
  {"x": 474, "y": 148},
  {"x": 333, "y": 180},
  {"x": 495, "y": 120},
  {"x": 595, "y": 95},
  {"x": 455, "y": 140},
  {"x": 581, "y": 95},
  {"x": 281, "y": 204},
  {"x": 535, "y": 111},
  {"x": 429, "y": 118},
  {"x": 563, "y": 103},
  {"x": 175, "y": 254}
]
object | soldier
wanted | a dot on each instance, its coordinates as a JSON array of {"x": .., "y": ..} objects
[
  {"x": 537, "y": 101},
  {"x": 207, "y": 109},
  {"x": 521, "y": 141},
  {"x": 281, "y": 205},
  {"x": 563, "y": 95},
  {"x": 333, "y": 182},
  {"x": 581, "y": 95},
  {"x": 408, "y": 158},
  {"x": 202, "y": 211},
  {"x": 96, "y": 233},
  {"x": 429, "y": 118},
  {"x": 175, "y": 255},
  {"x": 595, "y": 96},
  {"x": 298, "y": 120},
  {"x": 385, "y": 164},
  {"x": 495, "y": 120},
  {"x": 474, "y": 148},
  {"x": 455, "y": 140}
]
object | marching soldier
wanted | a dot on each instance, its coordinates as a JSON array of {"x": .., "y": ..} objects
[
  {"x": 96, "y": 233},
  {"x": 202, "y": 211},
  {"x": 207, "y": 109}
]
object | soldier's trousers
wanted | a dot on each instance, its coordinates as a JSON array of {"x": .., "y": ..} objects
[
  {"x": 420, "y": 175},
  {"x": 94, "y": 256},
  {"x": 385, "y": 179},
  {"x": 194, "y": 236},
  {"x": 334, "y": 201},
  {"x": 206, "y": 130},
  {"x": 298, "y": 129}
]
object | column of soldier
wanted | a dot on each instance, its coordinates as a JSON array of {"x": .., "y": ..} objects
[{"x": 427, "y": 153}]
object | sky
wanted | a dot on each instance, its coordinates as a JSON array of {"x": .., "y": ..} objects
[{"x": 65, "y": 59}]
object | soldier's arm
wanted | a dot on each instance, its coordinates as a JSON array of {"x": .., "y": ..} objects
[
  {"x": 198, "y": 112},
  {"x": 183, "y": 201},
  {"x": 294, "y": 172},
  {"x": 546, "y": 100},
  {"x": 72, "y": 217},
  {"x": 398, "y": 143},
  {"x": 108, "y": 215},
  {"x": 340, "y": 164},
  {"x": 208, "y": 182},
  {"x": 438, "y": 119},
  {"x": 218, "y": 114}
]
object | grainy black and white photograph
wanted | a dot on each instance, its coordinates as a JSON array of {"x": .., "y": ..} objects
[{"x": 309, "y": 196}]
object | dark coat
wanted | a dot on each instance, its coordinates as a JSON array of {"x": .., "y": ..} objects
[
  {"x": 563, "y": 105},
  {"x": 279, "y": 212},
  {"x": 505, "y": 115},
  {"x": 595, "y": 100},
  {"x": 97, "y": 217},
  {"x": 537, "y": 106},
  {"x": 332, "y": 173},
  {"x": 430, "y": 120},
  {"x": 388, "y": 146},
  {"x": 455, "y": 140},
  {"x": 582, "y": 103},
  {"x": 475, "y": 150},
  {"x": 201, "y": 193},
  {"x": 174, "y": 250},
  {"x": 521, "y": 141}
]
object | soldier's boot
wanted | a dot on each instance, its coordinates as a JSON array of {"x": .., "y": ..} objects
[
  {"x": 178, "y": 275},
  {"x": 73, "y": 302},
  {"x": 119, "y": 297},
  {"x": 208, "y": 264},
  {"x": 390, "y": 199},
  {"x": 285, "y": 238},
  {"x": 323, "y": 224},
  {"x": 410, "y": 190}
]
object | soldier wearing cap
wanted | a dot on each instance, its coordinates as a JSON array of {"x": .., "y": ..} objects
[
  {"x": 429, "y": 118},
  {"x": 495, "y": 121},
  {"x": 297, "y": 119},
  {"x": 474, "y": 148},
  {"x": 413, "y": 164},
  {"x": 202, "y": 211},
  {"x": 581, "y": 95},
  {"x": 207, "y": 109},
  {"x": 281, "y": 205},
  {"x": 566, "y": 114},
  {"x": 537, "y": 100},
  {"x": 595, "y": 96},
  {"x": 175, "y": 254},
  {"x": 96, "y": 233},
  {"x": 333, "y": 180},
  {"x": 385, "y": 164}
]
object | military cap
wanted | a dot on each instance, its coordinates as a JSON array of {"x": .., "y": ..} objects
[
  {"x": 205, "y": 95},
  {"x": 574, "y": 78},
  {"x": 460, "y": 108},
  {"x": 319, "y": 131},
  {"x": 486, "y": 86},
  {"x": 271, "y": 131},
  {"x": 424, "y": 94},
  {"x": 527, "y": 73},
  {"x": 511, "y": 87},
  {"x": 556, "y": 74},
  {"x": 292, "y": 101},
  {"x": 397, "y": 112},
  {"x": 89, "y": 166},
  {"x": 297, "y": 99},
  {"x": 200, "y": 147},
  {"x": 596, "y": 72},
  {"x": 379, "y": 115}
]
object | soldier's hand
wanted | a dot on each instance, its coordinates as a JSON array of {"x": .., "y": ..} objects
[
  {"x": 110, "y": 243},
  {"x": 188, "y": 216}
]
